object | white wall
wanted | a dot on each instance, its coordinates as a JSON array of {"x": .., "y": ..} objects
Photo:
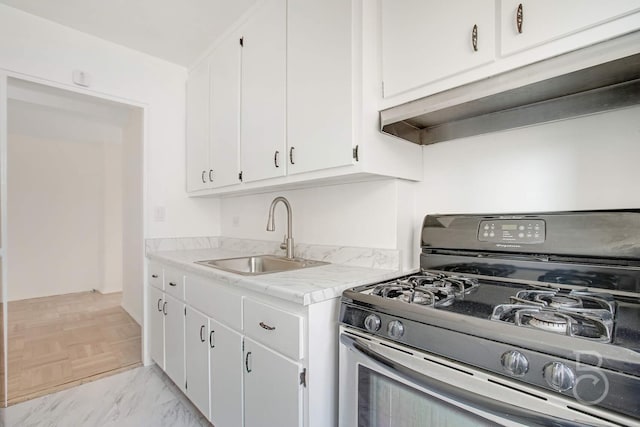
[
  {"x": 56, "y": 216},
  {"x": 48, "y": 51},
  {"x": 583, "y": 163},
  {"x": 112, "y": 157},
  {"x": 132, "y": 217},
  {"x": 361, "y": 214}
]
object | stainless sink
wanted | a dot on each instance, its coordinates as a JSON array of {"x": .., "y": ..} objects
[{"x": 260, "y": 264}]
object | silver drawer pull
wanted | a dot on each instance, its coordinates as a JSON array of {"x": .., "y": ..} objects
[
  {"x": 267, "y": 327},
  {"x": 519, "y": 18}
]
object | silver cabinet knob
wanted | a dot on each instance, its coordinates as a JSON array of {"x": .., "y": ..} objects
[
  {"x": 559, "y": 376},
  {"x": 514, "y": 362},
  {"x": 372, "y": 322},
  {"x": 395, "y": 329}
]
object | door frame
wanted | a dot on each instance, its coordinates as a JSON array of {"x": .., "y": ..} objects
[{"x": 5, "y": 75}]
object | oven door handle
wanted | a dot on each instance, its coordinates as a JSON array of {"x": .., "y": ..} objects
[{"x": 470, "y": 399}]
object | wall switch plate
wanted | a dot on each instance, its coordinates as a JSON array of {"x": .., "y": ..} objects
[
  {"x": 159, "y": 214},
  {"x": 236, "y": 221}
]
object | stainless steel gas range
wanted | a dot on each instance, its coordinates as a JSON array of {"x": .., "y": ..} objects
[{"x": 528, "y": 319}]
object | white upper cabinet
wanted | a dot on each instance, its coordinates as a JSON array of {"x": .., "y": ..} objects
[
  {"x": 213, "y": 118},
  {"x": 225, "y": 68},
  {"x": 429, "y": 46},
  {"x": 526, "y": 24},
  {"x": 198, "y": 128},
  {"x": 319, "y": 84},
  {"x": 263, "y": 110},
  {"x": 308, "y": 78},
  {"x": 427, "y": 40}
]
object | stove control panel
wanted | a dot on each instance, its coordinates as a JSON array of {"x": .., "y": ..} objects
[{"x": 514, "y": 231}]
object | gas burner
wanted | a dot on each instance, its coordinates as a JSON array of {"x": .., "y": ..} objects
[
  {"x": 579, "y": 314},
  {"x": 459, "y": 285},
  {"x": 549, "y": 321},
  {"x": 429, "y": 297},
  {"x": 583, "y": 301},
  {"x": 560, "y": 301},
  {"x": 391, "y": 290},
  {"x": 427, "y": 288}
]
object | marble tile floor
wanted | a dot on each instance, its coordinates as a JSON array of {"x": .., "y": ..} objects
[{"x": 140, "y": 397}]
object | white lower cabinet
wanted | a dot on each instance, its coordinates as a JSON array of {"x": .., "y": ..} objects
[
  {"x": 272, "y": 389},
  {"x": 241, "y": 357},
  {"x": 156, "y": 326},
  {"x": 174, "y": 340},
  {"x": 225, "y": 370},
  {"x": 197, "y": 359}
]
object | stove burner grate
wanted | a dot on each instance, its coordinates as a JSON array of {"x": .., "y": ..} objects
[
  {"x": 428, "y": 289},
  {"x": 577, "y": 313}
]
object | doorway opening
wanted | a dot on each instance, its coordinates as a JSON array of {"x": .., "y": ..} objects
[{"x": 74, "y": 238}]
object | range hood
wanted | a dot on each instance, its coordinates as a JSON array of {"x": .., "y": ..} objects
[{"x": 594, "y": 79}]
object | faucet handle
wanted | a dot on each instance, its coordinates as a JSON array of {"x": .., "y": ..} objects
[{"x": 283, "y": 245}]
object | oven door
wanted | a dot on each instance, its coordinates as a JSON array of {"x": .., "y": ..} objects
[{"x": 386, "y": 385}]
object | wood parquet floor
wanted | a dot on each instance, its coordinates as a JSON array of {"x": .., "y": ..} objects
[{"x": 61, "y": 341}]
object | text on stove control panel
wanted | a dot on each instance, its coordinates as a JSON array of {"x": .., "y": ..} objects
[{"x": 525, "y": 231}]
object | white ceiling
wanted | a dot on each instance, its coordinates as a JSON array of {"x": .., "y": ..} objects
[{"x": 178, "y": 31}]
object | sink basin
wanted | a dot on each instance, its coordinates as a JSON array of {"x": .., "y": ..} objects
[{"x": 260, "y": 264}]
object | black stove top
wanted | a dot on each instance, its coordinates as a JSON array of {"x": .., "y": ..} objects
[
  {"x": 577, "y": 312},
  {"x": 567, "y": 295}
]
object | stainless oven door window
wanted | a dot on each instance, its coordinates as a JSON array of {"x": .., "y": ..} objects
[
  {"x": 442, "y": 388},
  {"x": 384, "y": 402}
]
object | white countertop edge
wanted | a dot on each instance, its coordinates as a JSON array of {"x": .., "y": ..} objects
[{"x": 304, "y": 286}]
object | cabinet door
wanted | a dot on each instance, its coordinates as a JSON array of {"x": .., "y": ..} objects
[
  {"x": 263, "y": 114},
  {"x": 427, "y": 40},
  {"x": 197, "y": 359},
  {"x": 198, "y": 128},
  {"x": 319, "y": 84},
  {"x": 225, "y": 112},
  {"x": 174, "y": 340},
  {"x": 226, "y": 375},
  {"x": 546, "y": 20},
  {"x": 272, "y": 390},
  {"x": 156, "y": 326}
]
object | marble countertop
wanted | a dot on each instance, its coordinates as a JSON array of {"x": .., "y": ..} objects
[{"x": 305, "y": 286}]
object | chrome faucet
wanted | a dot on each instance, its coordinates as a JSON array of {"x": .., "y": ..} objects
[{"x": 271, "y": 226}]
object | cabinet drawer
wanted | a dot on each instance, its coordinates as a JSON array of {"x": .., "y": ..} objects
[
  {"x": 155, "y": 275},
  {"x": 174, "y": 282},
  {"x": 214, "y": 301},
  {"x": 275, "y": 328}
]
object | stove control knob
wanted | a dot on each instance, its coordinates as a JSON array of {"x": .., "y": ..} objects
[
  {"x": 395, "y": 329},
  {"x": 372, "y": 322},
  {"x": 514, "y": 363},
  {"x": 559, "y": 376}
]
